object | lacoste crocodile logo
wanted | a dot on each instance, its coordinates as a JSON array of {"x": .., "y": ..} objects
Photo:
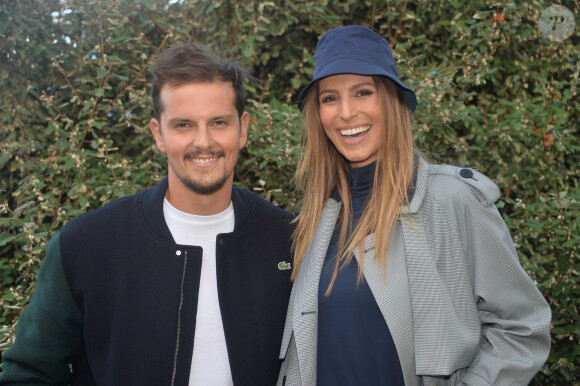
[{"x": 284, "y": 265}]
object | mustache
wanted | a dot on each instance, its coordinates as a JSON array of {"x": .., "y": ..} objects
[{"x": 207, "y": 153}]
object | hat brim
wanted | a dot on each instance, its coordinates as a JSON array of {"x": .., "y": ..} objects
[{"x": 357, "y": 67}]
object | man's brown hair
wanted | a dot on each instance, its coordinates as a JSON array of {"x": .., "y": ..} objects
[{"x": 192, "y": 62}]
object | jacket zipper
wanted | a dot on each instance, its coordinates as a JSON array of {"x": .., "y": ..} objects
[{"x": 178, "y": 252}]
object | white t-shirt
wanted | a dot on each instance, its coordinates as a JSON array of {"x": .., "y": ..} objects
[{"x": 210, "y": 364}]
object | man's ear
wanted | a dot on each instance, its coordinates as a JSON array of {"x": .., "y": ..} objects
[
  {"x": 156, "y": 130},
  {"x": 244, "y": 123}
]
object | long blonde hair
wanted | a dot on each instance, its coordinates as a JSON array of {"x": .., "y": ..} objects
[{"x": 322, "y": 168}]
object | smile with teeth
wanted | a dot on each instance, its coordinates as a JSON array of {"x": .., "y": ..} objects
[
  {"x": 203, "y": 160},
  {"x": 355, "y": 131}
]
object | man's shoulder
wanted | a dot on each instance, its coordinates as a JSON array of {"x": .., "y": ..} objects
[
  {"x": 260, "y": 205},
  {"x": 108, "y": 216}
]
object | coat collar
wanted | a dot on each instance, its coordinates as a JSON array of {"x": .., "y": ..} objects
[
  {"x": 415, "y": 192},
  {"x": 152, "y": 209},
  {"x": 419, "y": 187}
]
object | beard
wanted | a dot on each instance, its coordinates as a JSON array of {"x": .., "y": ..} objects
[{"x": 204, "y": 188}]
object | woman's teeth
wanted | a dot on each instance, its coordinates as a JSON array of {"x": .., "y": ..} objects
[{"x": 358, "y": 130}]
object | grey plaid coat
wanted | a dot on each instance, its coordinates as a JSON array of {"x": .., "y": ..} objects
[{"x": 459, "y": 306}]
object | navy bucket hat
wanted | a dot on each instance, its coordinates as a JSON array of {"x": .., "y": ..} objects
[{"x": 355, "y": 49}]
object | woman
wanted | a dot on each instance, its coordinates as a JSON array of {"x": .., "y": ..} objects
[{"x": 404, "y": 272}]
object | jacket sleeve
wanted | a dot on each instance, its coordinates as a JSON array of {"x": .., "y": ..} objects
[
  {"x": 49, "y": 333},
  {"x": 515, "y": 317}
]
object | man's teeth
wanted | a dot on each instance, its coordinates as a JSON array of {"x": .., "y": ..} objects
[
  {"x": 358, "y": 130},
  {"x": 203, "y": 160}
]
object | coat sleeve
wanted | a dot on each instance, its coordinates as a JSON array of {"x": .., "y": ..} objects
[
  {"x": 49, "y": 333},
  {"x": 515, "y": 317}
]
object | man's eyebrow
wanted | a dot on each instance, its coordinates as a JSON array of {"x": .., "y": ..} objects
[
  {"x": 214, "y": 118},
  {"x": 222, "y": 117},
  {"x": 177, "y": 120}
]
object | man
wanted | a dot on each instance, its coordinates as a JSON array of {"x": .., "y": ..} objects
[{"x": 184, "y": 283}]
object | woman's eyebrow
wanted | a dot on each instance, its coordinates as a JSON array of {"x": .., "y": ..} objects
[{"x": 353, "y": 87}]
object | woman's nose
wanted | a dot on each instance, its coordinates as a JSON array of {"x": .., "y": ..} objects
[{"x": 347, "y": 109}]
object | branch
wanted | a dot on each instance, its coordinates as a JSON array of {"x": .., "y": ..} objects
[
  {"x": 373, "y": 14},
  {"x": 401, "y": 19},
  {"x": 102, "y": 82},
  {"x": 109, "y": 161},
  {"x": 409, "y": 67},
  {"x": 66, "y": 78},
  {"x": 185, "y": 14},
  {"x": 21, "y": 223},
  {"x": 110, "y": 7},
  {"x": 389, "y": 21},
  {"x": 102, "y": 39},
  {"x": 127, "y": 86}
]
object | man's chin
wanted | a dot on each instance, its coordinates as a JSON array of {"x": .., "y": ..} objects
[{"x": 204, "y": 188}]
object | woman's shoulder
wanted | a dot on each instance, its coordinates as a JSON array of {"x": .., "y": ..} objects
[{"x": 450, "y": 183}]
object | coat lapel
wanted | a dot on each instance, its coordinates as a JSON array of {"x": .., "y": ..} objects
[
  {"x": 392, "y": 295},
  {"x": 305, "y": 307}
]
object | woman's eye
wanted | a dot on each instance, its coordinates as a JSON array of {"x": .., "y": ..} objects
[
  {"x": 364, "y": 92},
  {"x": 327, "y": 99}
]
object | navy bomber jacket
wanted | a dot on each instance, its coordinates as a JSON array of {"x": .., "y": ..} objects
[{"x": 116, "y": 298}]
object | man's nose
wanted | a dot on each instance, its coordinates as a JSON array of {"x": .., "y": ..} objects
[{"x": 202, "y": 139}]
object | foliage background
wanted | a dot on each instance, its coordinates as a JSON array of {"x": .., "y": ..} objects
[{"x": 493, "y": 93}]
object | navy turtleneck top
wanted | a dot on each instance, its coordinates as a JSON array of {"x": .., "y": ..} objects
[{"x": 355, "y": 346}]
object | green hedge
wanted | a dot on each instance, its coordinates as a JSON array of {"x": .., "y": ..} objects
[{"x": 494, "y": 94}]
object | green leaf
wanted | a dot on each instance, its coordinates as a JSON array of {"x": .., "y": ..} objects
[
  {"x": 563, "y": 262},
  {"x": 102, "y": 72},
  {"x": 88, "y": 105},
  {"x": 6, "y": 238},
  {"x": 4, "y": 157}
]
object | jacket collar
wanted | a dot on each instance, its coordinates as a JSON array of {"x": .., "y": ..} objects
[
  {"x": 152, "y": 209},
  {"x": 241, "y": 208},
  {"x": 418, "y": 190}
]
